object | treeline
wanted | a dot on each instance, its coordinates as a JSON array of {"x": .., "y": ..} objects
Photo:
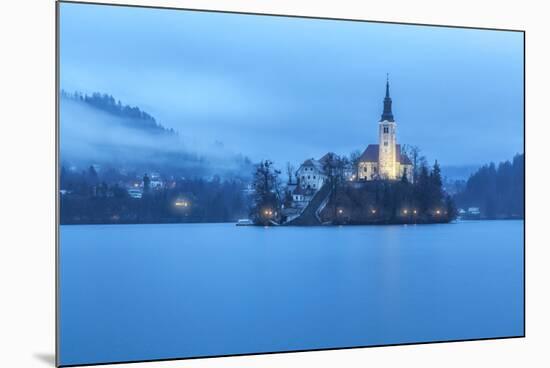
[
  {"x": 87, "y": 199},
  {"x": 498, "y": 190},
  {"x": 107, "y": 103},
  {"x": 391, "y": 202}
]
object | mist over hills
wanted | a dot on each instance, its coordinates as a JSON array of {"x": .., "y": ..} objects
[
  {"x": 98, "y": 129},
  {"x": 133, "y": 116}
]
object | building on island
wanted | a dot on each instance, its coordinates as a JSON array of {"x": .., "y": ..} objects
[
  {"x": 385, "y": 160},
  {"x": 310, "y": 174}
]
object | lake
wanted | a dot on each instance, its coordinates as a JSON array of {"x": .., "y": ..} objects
[{"x": 135, "y": 292}]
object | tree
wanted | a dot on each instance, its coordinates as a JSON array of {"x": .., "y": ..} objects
[
  {"x": 266, "y": 206},
  {"x": 404, "y": 179},
  {"x": 414, "y": 153},
  {"x": 146, "y": 183},
  {"x": 333, "y": 167},
  {"x": 436, "y": 186},
  {"x": 497, "y": 190},
  {"x": 354, "y": 157},
  {"x": 450, "y": 208},
  {"x": 289, "y": 172},
  {"x": 423, "y": 188}
]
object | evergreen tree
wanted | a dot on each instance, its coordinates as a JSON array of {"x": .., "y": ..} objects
[
  {"x": 497, "y": 190},
  {"x": 435, "y": 187},
  {"x": 423, "y": 188}
]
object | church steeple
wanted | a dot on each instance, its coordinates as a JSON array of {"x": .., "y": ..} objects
[{"x": 387, "y": 113}]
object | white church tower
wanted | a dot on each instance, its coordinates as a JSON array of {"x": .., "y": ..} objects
[{"x": 387, "y": 137}]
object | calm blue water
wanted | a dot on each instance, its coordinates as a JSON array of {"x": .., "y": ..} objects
[{"x": 134, "y": 292}]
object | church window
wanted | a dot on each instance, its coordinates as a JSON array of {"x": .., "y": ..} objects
[
  {"x": 313, "y": 176},
  {"x": 309, "y": 177},
  {"x": 385, "y": 143},
  {"x": 314, "y": 186},
  {"x": 365, "y": 169},
  {"x": 386, "y": 130}
]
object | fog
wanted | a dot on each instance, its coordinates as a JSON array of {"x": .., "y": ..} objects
[{"x": 91, "y": 136}]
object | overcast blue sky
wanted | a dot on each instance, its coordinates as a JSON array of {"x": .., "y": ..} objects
[{"x": 291, "y": 88}]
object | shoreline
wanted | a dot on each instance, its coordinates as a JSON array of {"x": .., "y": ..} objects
[{"x": 235, "y": 223}]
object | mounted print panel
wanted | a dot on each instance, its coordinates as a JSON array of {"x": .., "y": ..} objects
[{"x": 234, "y": 183}]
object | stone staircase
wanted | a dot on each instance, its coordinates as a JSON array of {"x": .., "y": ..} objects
[{"x": 310, "y": 215}]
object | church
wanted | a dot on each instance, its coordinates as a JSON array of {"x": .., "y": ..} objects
[{"x": 385, "y": 159}]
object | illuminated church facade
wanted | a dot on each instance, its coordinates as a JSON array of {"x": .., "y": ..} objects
[{"x": 385, "y": 160}]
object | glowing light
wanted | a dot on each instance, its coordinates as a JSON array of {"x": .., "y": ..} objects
[
  {"x": 181, "y": 204},
  {"x": 373, "y": 211},
  {"x": 438, "y": 212},
  {"x": 405, "y": 212},
  {"x": 414, "y": 211},
  {"x": 340, "y": 211}
]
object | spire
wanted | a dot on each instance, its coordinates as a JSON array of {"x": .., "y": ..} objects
[{"x": 387, "y": 113}]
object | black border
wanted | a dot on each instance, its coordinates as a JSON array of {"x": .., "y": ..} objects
[{"x": 57, "y": 224}]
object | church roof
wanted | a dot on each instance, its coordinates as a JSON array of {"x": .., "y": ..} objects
[{"x": 370, "y": 154}]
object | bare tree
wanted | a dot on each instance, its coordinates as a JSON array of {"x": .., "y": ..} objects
[
  {"x": 267, "y": 194},
  {"x": 354, "y": 157},
  {"x": 417, "y": 159},
  {"x": 290, "y": 172}
]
